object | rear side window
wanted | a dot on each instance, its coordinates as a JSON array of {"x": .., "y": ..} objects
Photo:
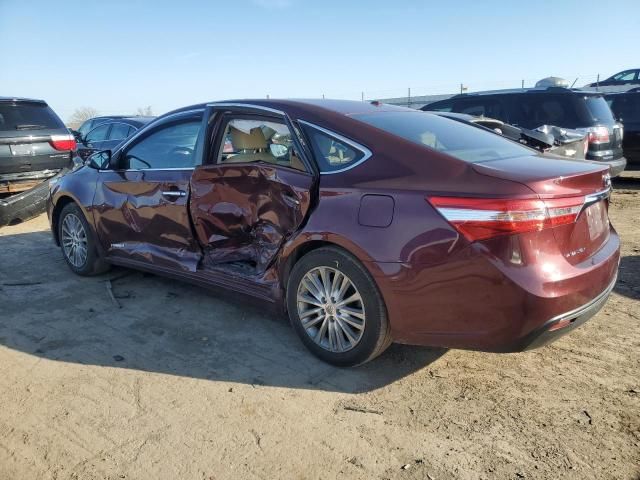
[
  {"x": 119, "y": 131},
  {"x": 98, "y": 134},
  {"x": 533, "y": 111},
  {"x": 332, "y": 151},
  {"x": 465, "y": 142},
  {"x": 599, "y": 110},
  {"x": 27, "y": 116},
  {"x": 439, "y": 107}
]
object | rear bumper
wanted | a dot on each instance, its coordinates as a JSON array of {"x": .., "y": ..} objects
[
  {"x": 616, "y": 166},
  {"x": 25, "y": 205},
  {"x": 481, "y": 301},
  {"x": 566, "y": 322}
]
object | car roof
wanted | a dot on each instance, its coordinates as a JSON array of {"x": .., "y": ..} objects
[
  {"x": 524, "y": 91},
  {"x": 311, "y": 105},
  {"x": 21, "y": 100},
  {"x": 135, "y": 121}
]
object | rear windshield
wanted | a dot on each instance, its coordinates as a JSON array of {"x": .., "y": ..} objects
[
  {"x": 27, "y": 116},
  {"x": 465, "y": 142},
  {"x": 599, "y": 110}
]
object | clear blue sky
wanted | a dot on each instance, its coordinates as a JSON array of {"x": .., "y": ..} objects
[{"x": 117, "y": 55}]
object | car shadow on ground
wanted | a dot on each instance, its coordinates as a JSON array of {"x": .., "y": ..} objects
[
  {"x": 159, "y": 325},
  {"x": 627, "y": 283}
]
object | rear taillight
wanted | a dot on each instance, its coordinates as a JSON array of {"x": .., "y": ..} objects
[
  {"x": 598, "y": 135},
  {"x": 63, "y": 142},
  {"x": 482, "y": 218}
]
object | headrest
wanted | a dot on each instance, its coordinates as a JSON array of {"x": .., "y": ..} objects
[{"x": 248, "y": 141}]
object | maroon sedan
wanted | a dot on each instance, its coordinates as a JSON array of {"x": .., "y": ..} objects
[{"x": 367, "y": 223}]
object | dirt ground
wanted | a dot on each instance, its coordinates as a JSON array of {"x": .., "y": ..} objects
[{"x": 179, "y": 383}]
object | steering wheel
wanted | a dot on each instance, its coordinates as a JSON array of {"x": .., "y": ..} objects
[{"x": 181, "y": 151}]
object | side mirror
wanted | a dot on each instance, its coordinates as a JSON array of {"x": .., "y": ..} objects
[{"x": 100, "y": 160}]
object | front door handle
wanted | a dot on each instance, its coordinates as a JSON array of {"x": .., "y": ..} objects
[{"x": 174, "y": 193}]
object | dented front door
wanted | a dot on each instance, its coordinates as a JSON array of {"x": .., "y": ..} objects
[
  {"x": 142, "y": 215},
  {"x": 244, "y": 213}
]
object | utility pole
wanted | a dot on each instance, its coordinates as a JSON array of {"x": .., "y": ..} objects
[
  {"x": 362, "y": 96},
  {"x": 523, "y": 84},
  {"x": 409, "y": 97}
]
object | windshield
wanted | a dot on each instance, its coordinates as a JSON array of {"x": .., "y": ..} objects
[
  {"x": 599, "y": 110},
  {"x": 465, "y": 142},
  {"x": 27, "y": 116}
]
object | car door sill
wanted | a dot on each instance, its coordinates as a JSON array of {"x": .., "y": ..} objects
[{"x": 207, "y": 278}]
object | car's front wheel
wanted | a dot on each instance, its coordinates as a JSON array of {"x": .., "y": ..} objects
[
  {"x": 77, "y": 242},
  {"x": 336, "y": 309}
]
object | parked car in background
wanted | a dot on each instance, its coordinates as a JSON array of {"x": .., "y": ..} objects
[
  {"x": 109, "y": 134},
  {"x": 625, "y": 77},
  {"x": 92, "y": 123},
  {"x": 34, "y": 147},
  {"x": 626, "y": 108},
  {"x": 531, "y": 108},
  {"x": 546, "y": 139},
  {"x": 367, "y": 223}
]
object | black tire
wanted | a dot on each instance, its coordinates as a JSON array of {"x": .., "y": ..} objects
[
  {"x": 377, "y": 333},
  {"x": 94, "y": 264}
]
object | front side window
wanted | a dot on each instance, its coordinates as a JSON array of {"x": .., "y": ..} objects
[
  {"x": 481, "y": 108},
  {"x": 119, "y": 131},
  {"x": 331, "y": 152},
  {"x": 172, "y": 146},
  {"x": 465, "y": 142},
  {"x": 248, "y": 140},
  {"x": 625, "y": 76},
  {"x": 98, "y": 134}
]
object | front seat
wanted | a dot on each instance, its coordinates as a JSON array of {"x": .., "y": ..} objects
[{"x": 251, "y": 147}]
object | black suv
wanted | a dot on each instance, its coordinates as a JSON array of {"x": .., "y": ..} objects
[
  {"x": 626, "y": 108},
  {"x": 562, "y": 107},
  {"x": 34, "y": 146}
]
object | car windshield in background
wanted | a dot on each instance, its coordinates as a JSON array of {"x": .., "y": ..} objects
[
  {"x": 599, "y": 109},
  {"x": 27, "y": 116},
  {"x": 464, "y": 142}
]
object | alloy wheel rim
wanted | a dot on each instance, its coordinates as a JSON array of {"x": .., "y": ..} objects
[
  {"x": 74, "y": 240},
  {"x": 331, "y": 309}
]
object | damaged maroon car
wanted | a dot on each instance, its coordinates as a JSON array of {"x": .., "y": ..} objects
[{"x": 367, "y": 223}]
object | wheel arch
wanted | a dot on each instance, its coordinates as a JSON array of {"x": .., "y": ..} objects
[
  {"x": 62, "y": 202},
  {"x": 299, "y": 247}
]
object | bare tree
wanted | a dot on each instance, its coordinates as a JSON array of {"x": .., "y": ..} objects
[
  {"x": 145, "y": 111},
  {"x": 80, "y": 115}
]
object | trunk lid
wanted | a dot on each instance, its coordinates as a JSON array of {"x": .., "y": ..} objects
[{"x": 580, "y": 185}]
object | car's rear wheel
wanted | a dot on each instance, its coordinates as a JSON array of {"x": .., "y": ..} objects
[
  {"x": 336, "y": 309},
  {"x": 77, "y": 242}
]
